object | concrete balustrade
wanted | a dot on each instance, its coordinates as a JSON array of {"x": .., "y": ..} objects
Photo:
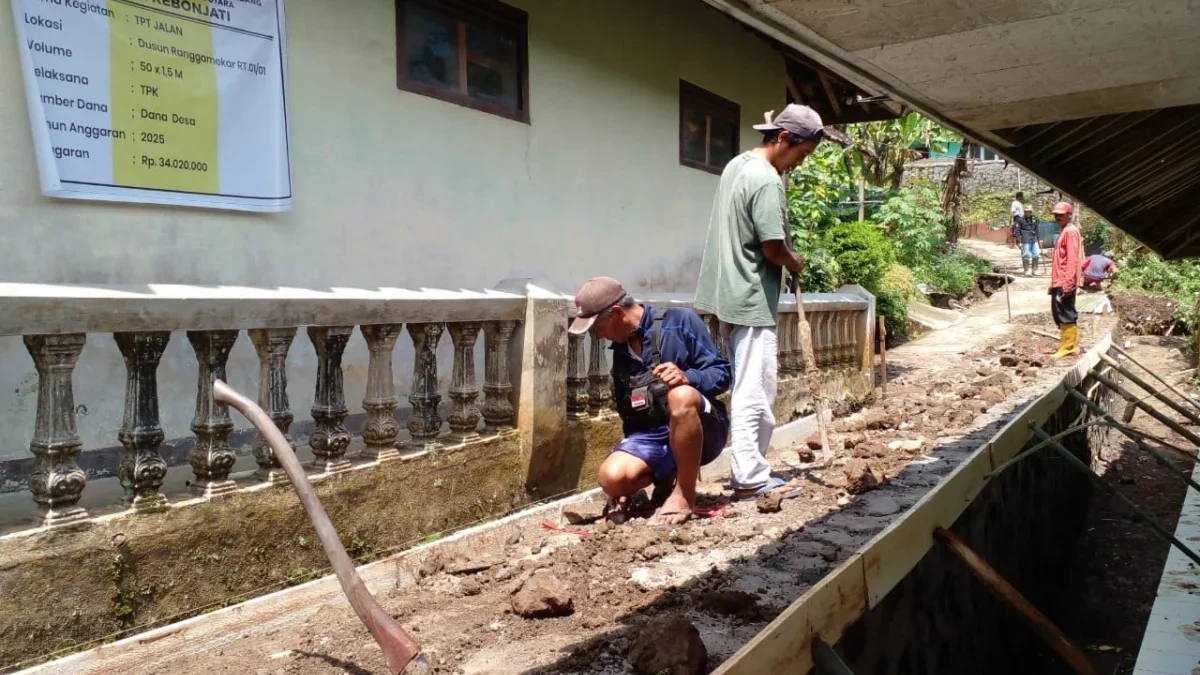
[{"x": 56, "y": 322}]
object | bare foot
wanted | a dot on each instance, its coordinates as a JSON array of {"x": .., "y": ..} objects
[{"x": 674, "y": 511}]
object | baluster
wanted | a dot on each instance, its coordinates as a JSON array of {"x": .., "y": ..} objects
[
  {"x": 790, "y": 344},
  {"x": 464, "y": 389},
  {"x": 211, "y": 458},
  {"x": 599, "y": 378},
  {"x": 272, "y": 346},
  {"x": 577, "y": 378},
  {"x": 782, "y": 330},
  {"x": 845, "y": 346},
  {"x": 56, "y": 481},
  {"x": 142, "y": 469},
  {"x": 497, "y": 387},
  {"x": 425, "y": 423},
  {"x": 830, "y": 337},
  {"x": 329, "y": 438},
  {"x": 816, "y": 322},
  {"x": 380, "y": 430}
]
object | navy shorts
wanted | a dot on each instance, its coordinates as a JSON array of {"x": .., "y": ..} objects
[{"x": 652, "y": 446}]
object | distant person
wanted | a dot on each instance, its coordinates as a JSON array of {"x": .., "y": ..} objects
[
  {"x": 1031, "y": 249},
  {"x": 741, "y": 276},
  {"x": 1065, "y": 273},
  {"x": 1016, "y": 212},
  {"x": 1099, "y": 271},
  {"x": 667, "y": 375}
]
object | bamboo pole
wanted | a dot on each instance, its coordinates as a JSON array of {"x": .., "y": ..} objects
[
  {"x": 1154, "y": 524},
  {"x": 1149, "y": 389},
  {"x": 1010, "y": 596},
  {"x": 827, "y": 660},
  {"x": 1007, "y": 294},
  {"x": 1148, "y": 409},
  {"x": 1156, "y": 376},
  {"x": 1166, "y": 463},
  {"x": 883, "y": 354}
]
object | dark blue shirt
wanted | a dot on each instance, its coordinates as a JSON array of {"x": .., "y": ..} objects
[{"x": 683, "y": 340}]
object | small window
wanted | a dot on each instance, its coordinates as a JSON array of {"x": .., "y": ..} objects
[
  {"x": 470, "y": 52},
  {"x": 709, "y": 128}
]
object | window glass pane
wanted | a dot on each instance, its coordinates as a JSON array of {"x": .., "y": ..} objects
[
  {"x": 493, "y": 67},
  {"x": 431, "y": 47},
  {"x": 693, "y": 135},
  {"x": 724, "y": 142}
]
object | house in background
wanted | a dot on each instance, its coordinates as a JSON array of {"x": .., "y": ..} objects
[{"x": 434, "y": 144}]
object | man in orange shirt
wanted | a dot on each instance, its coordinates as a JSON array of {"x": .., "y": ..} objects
[{"x": 1065, "y": 272}]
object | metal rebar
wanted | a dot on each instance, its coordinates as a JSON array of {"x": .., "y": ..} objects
[
  {"x": 1166, "y": 463},
  {"x": 1158, "y": 377},
  {"x": 1149, "y": 389},
  {"x": 1148, "y": 409},
  {"x": 1009, "y": 595},
  {"x": 827, "y": 660},
  {"x": 1154, "y": 524}
]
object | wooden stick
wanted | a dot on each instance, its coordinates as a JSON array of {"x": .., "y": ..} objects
[
  {"x": 883, "y": 354},
  {"x": 1010, "y": 596},
  {"x": 1188, "y": 414},
  {"x": 1044, "y": 334},
  {"x": 811, "y": 374},
  {"x": 1155, "y": 375},
  {"x": 1146, "y": 408},
  {"x": 1007, "y": 294}
]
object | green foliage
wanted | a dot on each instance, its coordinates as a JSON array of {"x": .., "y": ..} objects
[
  {"x": 990, "y": 208},
  {"x": 1095, "y": 235},
  {"x": 815, "y": 191},
  {"x": 882, "y": 149},
  {"x": 953, "y": 272},
  {"x": 862, "y": 252},
  {"x": 914, "y": 222},
  {"x": 894, "y": 309},
  {"x": 900, "y": 280}
]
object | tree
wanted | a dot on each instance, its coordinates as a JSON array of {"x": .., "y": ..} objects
[{"x": 882, "y": 149}]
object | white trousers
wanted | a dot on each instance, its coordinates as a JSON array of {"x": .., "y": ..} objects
[{"x": 752, "y": 402}]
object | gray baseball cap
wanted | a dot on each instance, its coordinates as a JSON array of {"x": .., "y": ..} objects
[{"x": 798, "y": 120}]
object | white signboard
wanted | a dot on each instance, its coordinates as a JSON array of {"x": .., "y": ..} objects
[{"x": 158, "y": 101}]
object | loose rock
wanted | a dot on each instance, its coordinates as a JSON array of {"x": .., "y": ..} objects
[
  {"x": 543, "y": 595},
  {"x": 582, "y": 513},
  {"x": 668, "y": 645},
  {"x": 731, "y": 603},
  {"x": 1009, "y": 361},
  {"x": 912, "y": 447},
  {"x": 770, "y": 502},
  {"x": 881, "y": 505},
  {"x": 997, "y": 380},
  {"x": 860, "y": 477},
  {"x": 814, "y": 441},
  {"x": 805, "y": 456}
]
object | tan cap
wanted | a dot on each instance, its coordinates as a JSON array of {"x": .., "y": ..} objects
[
  {"x": 596, "y": 296},
  {"x": 798, "y": 120}
]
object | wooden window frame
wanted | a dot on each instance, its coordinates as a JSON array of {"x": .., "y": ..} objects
[
  {"x": 492, "y": 15},
  {"x": 711, "y": 105}
]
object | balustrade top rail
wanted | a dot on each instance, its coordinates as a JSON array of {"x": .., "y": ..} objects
[
  {"x": 813, "y": 302},
  {"x": 27, "y": 309}
]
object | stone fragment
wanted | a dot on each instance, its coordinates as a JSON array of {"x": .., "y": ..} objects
[
  {"x": 1009, "y": 361},
  {"x": 877, "y": 420},
  {"x": 543, "y": 595},
  {"x": 870, "y": 449},
  {"x": 806, "y": 456},
  {"x": 992, "y": 395},
  {"x": 657, "y": 551},
  {"x": 855, "y": 422},
  {"x": 770, "y": 502},
  {"x": 582, "y": 513},
  {"x": 968, "y": 392},
  {"x": 731, "y": 603},
  {"x": 473, "y": 565},
  {"x": 912, "y": 446},
  {"x": 853, "y": 439},
  {"x": 814, "y": 441},
  {"x": 997, "y": 380},
  {"x": 860, "y": 477},
  {"x": 668, "y": 645}
]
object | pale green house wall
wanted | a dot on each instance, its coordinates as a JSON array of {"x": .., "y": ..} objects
[{"x": 395, "y": 189}]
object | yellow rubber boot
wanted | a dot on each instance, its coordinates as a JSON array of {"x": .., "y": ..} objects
[{"x": 1068, "y": 341}]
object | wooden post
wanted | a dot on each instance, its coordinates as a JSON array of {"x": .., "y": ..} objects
[
  {"x": 883, "y": 354},
  {"x": 1007, "y": 295},
  {"x": 1012, "y": 597}
]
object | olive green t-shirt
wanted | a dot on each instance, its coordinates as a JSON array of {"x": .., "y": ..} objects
[{"x": 737, "y": 282}]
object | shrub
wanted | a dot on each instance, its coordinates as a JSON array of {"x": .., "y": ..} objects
[
  {"x": 1095, "y": 236},
  {"x": 899, "y": 280},
  {"x": 821, "y": 271},
  {"x": 953, "y": 273},
  {"x": 894, "y": 310},
  {"x": 862, "y": 252},
  {"x": 914, "y": 223}
]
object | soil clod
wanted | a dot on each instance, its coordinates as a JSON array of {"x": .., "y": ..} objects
[
  {"x": 541, "y": 596},
  {"x": 668, "y": 645}
]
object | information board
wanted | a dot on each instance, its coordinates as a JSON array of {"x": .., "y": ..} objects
[{"x": 158, "y": 101}]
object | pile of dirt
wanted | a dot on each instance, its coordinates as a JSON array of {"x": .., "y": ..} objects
[{"x": 1145, "y": 314}]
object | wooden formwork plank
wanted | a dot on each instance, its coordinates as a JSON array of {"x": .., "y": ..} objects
[{"x": 784, "y": 647}]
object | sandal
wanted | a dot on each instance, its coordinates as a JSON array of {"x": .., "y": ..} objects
[{"x": 773, "y": 484}]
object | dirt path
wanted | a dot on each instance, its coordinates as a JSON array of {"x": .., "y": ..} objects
[{"x": 728, "y": 574}]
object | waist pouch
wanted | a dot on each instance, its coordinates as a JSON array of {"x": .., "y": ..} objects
[{"x": 644, "y": 405}]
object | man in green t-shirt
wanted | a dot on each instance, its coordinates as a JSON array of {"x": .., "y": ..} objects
[{"x": 740, "y": 278}]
